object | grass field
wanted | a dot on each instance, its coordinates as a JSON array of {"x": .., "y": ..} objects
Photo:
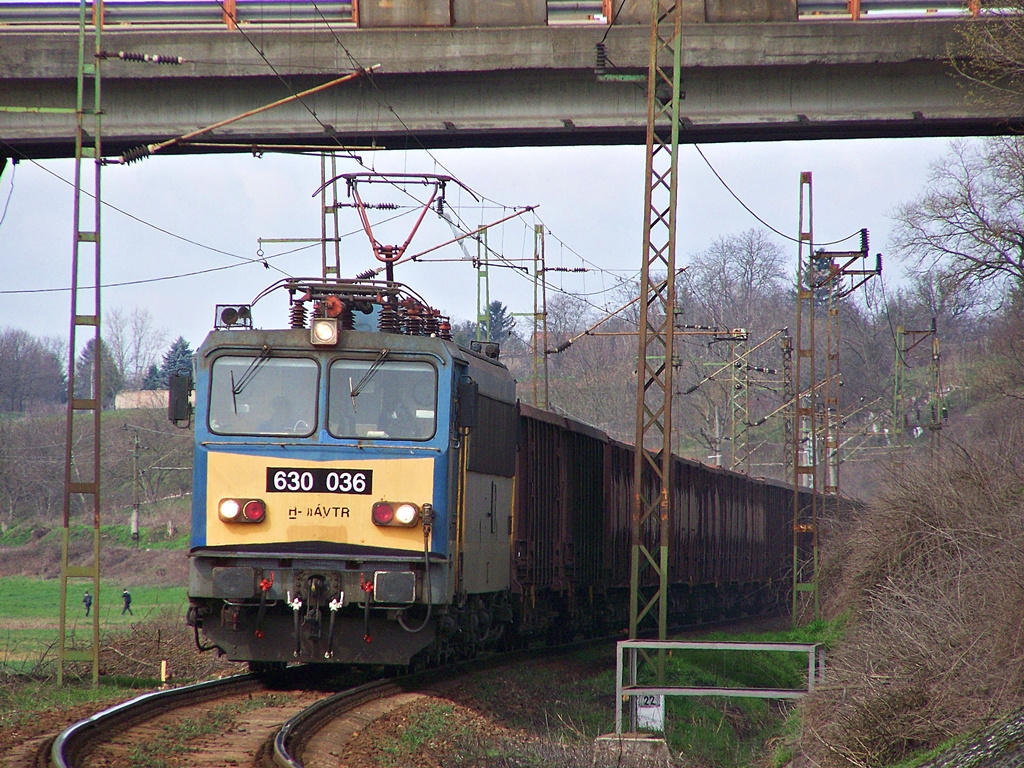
[{"x": 30, "y": 613}]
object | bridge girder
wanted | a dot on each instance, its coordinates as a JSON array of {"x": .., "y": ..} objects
[{"x": 495, "y": 87}]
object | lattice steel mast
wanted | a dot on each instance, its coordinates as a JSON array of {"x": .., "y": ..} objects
[
  {"x": 805, "y": 385},
  {"x": 650, "y": 532},
  {"x": 906, "y": 341}
]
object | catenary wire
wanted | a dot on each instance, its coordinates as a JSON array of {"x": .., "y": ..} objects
[
  {"x": 7, "y": 202},
  {"x": 145, "y": 280}
]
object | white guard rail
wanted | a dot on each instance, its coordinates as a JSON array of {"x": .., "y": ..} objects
[{"x": 630, "y": 689}]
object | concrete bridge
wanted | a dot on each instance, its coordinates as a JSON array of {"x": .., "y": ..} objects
[{"x": 488, "y": 85}]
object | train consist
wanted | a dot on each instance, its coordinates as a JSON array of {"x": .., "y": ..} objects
[{"x": 366, "y": 491}]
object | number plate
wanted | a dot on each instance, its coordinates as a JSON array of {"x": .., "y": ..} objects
[{"x": 319, "y": 480}]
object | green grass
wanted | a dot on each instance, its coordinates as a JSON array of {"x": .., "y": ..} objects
[
  {"x": 30, "y": 613},
  {"x": 176, "y": 738},
  {"x": 114, "y": 535},
  {"x": 426, "y": 726},
  {"x": 732, "y": 732},
  {"x": 21, "y": 703},
  {"x": 712, "y": 731}
]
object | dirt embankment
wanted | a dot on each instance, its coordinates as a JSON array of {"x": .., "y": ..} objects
[{"x": 125, "y": 565}]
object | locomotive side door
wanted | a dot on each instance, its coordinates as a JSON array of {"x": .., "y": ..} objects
[
  {"x": 488, "y": 514},
  {"x": 487, "y": 479}
]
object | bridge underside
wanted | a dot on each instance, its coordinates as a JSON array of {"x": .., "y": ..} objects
[{"x": 485, "y": 87}]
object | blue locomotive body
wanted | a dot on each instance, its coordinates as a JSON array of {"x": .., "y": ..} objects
[{"x": 332, "y": 496}]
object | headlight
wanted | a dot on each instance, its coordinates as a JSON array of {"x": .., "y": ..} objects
[
  {"x": 401, "y": 514},
  {"x": 242, "y": 510},
  {"x": 323, "y": 331},
  {"x": 229, "y": 509},
  {"x": 406, "y": 514}
]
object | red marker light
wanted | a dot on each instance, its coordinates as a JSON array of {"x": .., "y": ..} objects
[
  {"x": 254, "y": 511},
  {"x": 382, "y": 513}
]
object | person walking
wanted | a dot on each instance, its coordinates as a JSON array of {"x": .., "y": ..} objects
[
  {"x": 87, "y": 602},
  {"x": 126, "y": 596}
]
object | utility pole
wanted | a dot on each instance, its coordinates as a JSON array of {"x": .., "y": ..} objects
[
  {"x": 483, "y": 289},
  {"x": 83, "y": 457},
  {"x": 906, "y": 342},
  {"x": 330, "y": 231},
  {"x": 804, "y": 450},
  {"x": 831, "y": 269},
  {"x": 540, "y": 315},
  {"x": 136, "y": 482},
  {"x": 816, "y": 462}
]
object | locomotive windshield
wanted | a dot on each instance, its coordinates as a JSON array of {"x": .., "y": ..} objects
[
  {"x": 382, "y": 399},
  {"x": 263, "y": 395}
]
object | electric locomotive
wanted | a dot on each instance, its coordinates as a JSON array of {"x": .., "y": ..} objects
[{"x": 353, "y": 482}]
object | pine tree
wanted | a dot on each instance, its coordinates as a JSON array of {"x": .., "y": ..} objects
[
  {"x": 152, "y": 379},
  {"x": 502, "y": 322},
  {"x": 112, "y": 381},
  {"x": 177, "y": 359}
]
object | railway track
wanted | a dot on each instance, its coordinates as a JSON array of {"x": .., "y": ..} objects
[
  {"x": 286, "y": 724},
  {"x": 285, "y": 721},
  {"x": 219, "y": 722},
  {"x": 281, "y": 721}
]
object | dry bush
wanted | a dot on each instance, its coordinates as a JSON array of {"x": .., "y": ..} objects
[
  {"x": 161, "y": 636},
  {"x": 933, "y": 578}
]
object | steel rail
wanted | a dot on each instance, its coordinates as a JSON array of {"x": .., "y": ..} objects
[
  {"x": 297, "y": 731},
  {"x": 71, "y": 743}
]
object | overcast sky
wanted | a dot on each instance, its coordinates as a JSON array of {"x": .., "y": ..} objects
[{"x": 590, "y": 199}]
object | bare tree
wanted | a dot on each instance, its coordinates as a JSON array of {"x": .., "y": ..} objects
[
  {"x": 737, "y": 282},
  {"x": 134, "y": 342},
  {"x": 967, "y": 227},
  {"x": 990, "y": 55},
  {"x": 31, "y": 372}
]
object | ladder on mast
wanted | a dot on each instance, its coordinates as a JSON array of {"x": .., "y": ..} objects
[{"x": 85, "y": 397}]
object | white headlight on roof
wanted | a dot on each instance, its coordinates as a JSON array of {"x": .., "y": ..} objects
[{"x": 323, "y": 330}]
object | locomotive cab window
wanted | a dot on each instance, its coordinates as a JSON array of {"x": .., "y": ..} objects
[
  {"x": 382, "y": 399},
  {"x": 262, "y": 395}
]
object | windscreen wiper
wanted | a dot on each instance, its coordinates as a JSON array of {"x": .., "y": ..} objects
[
  {"x": 247, "y": 375},
  {"x": 354, "y": 391}
]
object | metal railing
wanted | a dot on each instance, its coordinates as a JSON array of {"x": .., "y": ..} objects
[
  {"x": 630, "y": 689},
  {"x": 229, "y": 13},
  {"x": 180, "y": 12}
]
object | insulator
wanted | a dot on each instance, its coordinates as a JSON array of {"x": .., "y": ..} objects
[
  {"x": 864, "y": 241},
  {"x": 444, "y": 329},
  {"x": 367, "y": 275},
  {"x": 348, "y": 319},
  {"x": 416, "y": 317},
  {"x": 388, "y": 322},
  {"x": 298, "y": 313},
  {"x": 602, "y": 57},
  {"x": 431, "y": 322},
  {"x": 135, "y": 154},
  {"x": 150, "y": 58}
]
